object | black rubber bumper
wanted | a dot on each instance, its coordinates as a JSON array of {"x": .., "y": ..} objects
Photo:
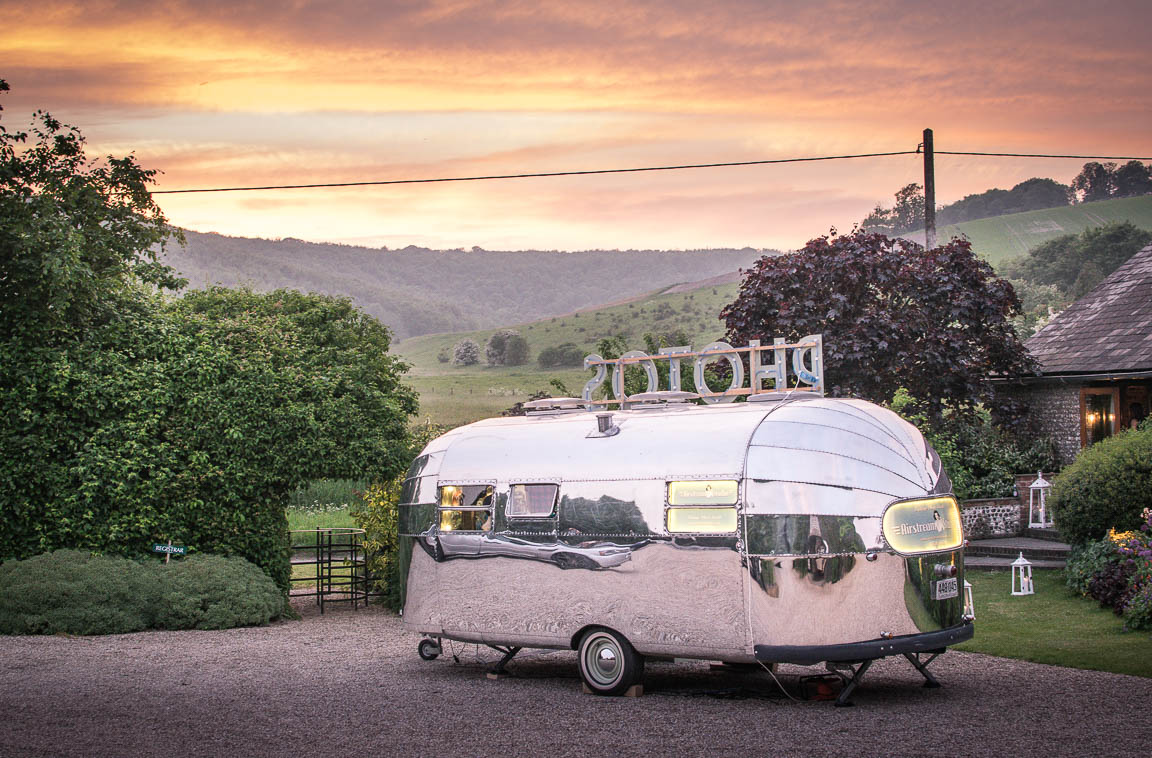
[{"x": 862, "y": 651}]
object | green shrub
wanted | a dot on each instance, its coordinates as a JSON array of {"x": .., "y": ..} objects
[
  {"x": 1108, "y": 487},
  {"x": 1087, "y": 560},
  {"x": 377, "y": 514},
  {"x": 215, "y": 592},
  {"x": 379, "y": 518},
  {"x": 980, "y": 458},
  {"x": 75, "y": 592}
]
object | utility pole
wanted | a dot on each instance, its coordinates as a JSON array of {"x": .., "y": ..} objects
[{"x": 929, "y": 193}]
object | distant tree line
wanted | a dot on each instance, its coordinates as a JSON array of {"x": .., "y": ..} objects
[
  {"x": 1096, "y": 181},
  {"x": 1053, "y": 274},
  {"x": 1101, "y": 181}
]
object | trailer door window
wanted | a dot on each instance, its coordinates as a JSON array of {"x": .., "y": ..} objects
[
  {"x": 711, "y": 492},
  {"x": 466, "y": 508},
  {"x": 532, "y": 500},
  {"x": 702, "y": 520}
]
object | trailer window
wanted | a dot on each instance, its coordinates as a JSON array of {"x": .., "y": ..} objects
[
  {"x": 532, "y": 500},
  {"x": 711, "y": 492},
  {"x": 702, "y": 520},
  {"x": 465, "y": 521},
  {"x": 466, "y": 496},
  {"x": 466, "y": 508}
]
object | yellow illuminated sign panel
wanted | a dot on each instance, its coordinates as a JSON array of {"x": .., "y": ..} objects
[
  {"x": 701, "y": 520},
  {"x": 926, "y": 525},
  {"x": 713, "y": 492}
]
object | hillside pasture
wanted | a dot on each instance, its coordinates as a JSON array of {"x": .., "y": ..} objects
[
  {"x": 1000, "y": 238},
  {"x": 454, "y": 395}
]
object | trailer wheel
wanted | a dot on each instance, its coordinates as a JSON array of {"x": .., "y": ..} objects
[
  {"x": 609, "y": 665},
  {"x": 429, "y": 650}
]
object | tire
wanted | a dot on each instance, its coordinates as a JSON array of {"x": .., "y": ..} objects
[
  {"x": 429, "y": 650},
  {"x": 609, "y": 665}
]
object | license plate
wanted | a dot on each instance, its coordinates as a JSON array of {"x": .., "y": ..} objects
[{"x": 945, "y": 588}]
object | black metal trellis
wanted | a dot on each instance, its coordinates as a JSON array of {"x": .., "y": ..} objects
[{"x": 341, "y": 565}]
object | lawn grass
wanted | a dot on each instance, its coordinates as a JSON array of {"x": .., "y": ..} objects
[
  {"x": 326, "y": 503},
  {"x": 1053, "y": 626},
  {"x": 328, "y": 519}
]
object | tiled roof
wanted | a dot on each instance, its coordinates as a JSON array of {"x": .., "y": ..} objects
[{"x": 1107, "y": 330}]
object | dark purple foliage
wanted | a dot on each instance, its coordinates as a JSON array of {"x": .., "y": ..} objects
[
  {"x": 893, "y": 314},
  {"x": 1112, "y": 584}
]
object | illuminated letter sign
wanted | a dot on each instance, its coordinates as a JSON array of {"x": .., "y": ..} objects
[{"x": 766, "y": 364}]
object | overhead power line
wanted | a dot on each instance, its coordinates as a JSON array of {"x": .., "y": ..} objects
[
  {"x": 1046, "y": 155},
  {"x": 590, "y": 172},
  {"x": 532, "y": 176}
]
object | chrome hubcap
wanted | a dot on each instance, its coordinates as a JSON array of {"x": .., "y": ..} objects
[{"x": 603, "y": 661}]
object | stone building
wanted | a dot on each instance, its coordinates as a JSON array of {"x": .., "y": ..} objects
[{"x": 1095, "y": 362}]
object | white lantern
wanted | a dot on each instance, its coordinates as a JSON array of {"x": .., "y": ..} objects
[
  {"x": 969, "y": 606},
  {"x": 1022, "y": 576},
  {"x": 1038, "y": 514}
]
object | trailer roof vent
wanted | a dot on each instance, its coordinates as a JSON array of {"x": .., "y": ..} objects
[
  {"x": 552, "y": 405},
  {"x": 661, "y": 398},
  {"x": 605, "y": 427},
  {"x": 776, "y": 397}
]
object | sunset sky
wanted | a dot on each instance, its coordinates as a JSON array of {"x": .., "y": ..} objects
[{"x": 225, "y": 93}]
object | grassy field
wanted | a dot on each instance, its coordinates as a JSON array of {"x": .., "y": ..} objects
[
  {"x": 1002, "y": 237},
  {"x": 325, "y": 503},
  {"x": 454, "y": 395},
  {"x": 1053, "y": 626}
]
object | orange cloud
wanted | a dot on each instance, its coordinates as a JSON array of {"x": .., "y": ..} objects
[{"x": 219, "y": 93}]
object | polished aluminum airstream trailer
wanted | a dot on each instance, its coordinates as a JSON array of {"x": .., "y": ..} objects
[{"x": 788, "y": 529}]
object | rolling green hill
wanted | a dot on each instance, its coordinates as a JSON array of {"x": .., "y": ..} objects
[
  {"x": 421, "y": 291},
  {"x": 1002, "y": 237},
  {"x": 455, "y": 395}
]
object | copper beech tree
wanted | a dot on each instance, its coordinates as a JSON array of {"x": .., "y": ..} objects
[{"x": 935, "y": 322}]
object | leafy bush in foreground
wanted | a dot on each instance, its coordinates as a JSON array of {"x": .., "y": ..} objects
[
  {"x": 980, "y": 458},
  {"x": 129, "y": 418},
  {"x": 1107, "y": 487},
  {"x": 1086, "y": 561},
  {"x": 74, "y": 592},
  {"x": 1117, "y": 571}
]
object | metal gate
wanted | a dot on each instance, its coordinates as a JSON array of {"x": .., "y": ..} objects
[{"x": 340, "y": 564}]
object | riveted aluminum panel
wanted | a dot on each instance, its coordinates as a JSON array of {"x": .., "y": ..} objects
[
  {"x": 706, "y": 443},
  {"x": 795, "y": 435},
  {"x": 808, "y": 467},
  {"x": 795, "y": 498}
]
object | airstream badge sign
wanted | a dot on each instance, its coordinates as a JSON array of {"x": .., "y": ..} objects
[
  {"x": 766, "y": 364},
  {"x": 923, "y": 525}
]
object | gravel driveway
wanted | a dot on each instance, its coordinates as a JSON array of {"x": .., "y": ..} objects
[{"x": 350, "y": 683}]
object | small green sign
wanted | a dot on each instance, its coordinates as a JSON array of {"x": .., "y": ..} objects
[{"x": 170, "y": 549}]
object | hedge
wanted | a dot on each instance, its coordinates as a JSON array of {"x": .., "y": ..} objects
[
  {"x": 1107, "y": 487},
  {"x": 75, "y": 592}
]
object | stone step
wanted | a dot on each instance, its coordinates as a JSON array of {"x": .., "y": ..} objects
[
  {"x": 988, "y": 563},
  {"x": 1011, "y": 547},
  {"x": 1048, "y": 534}
]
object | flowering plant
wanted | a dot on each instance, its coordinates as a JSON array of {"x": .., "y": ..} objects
[{"x": 1135, "y": 549}]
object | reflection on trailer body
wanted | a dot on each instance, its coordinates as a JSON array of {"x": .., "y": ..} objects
[{"x": 755, "y": 531}]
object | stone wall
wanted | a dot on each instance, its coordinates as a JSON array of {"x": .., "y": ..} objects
[
  {"x": 992, "y": 517},
  {"x": 1054, "y": 412}
]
